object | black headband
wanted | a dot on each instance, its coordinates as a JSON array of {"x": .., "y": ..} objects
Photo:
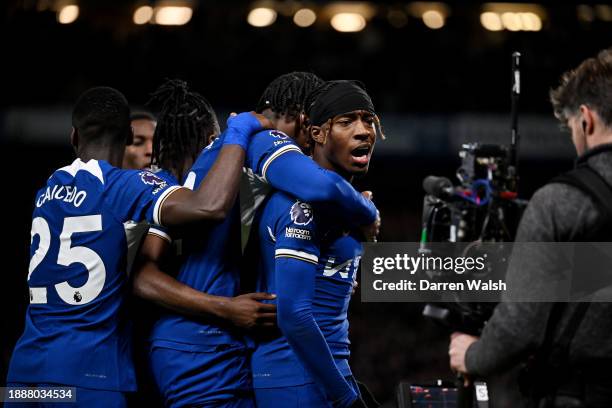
[{"x": 342, "y": 97}]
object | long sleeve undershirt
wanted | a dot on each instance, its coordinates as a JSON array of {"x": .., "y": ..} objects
[{"x": 295, "y": 284}]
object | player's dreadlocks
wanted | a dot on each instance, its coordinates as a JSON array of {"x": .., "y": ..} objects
[
  {"x": 286, "y": 94},
  {"x": 185, "y": 120}
]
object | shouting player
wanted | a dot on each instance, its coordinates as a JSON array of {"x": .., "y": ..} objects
[
  {"x": 203, "y": 361},
  {"x": 274, "y": 158},
  {"x": 309, "y": 260},
  {"x": 75, "y": 332}
]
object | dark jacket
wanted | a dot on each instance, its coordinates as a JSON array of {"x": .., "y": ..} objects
[{"x": 556, "y": 213}]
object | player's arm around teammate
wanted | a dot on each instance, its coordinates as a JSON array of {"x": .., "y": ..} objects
[
  {"x": 187, "y": 123},
  {"x": 216, "y": 194},
  {"x": 152, "y": 283}
]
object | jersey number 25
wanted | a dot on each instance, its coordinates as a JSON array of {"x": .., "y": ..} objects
[{"x": 67, "y": 256}]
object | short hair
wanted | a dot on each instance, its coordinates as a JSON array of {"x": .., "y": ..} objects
[
  {"x": 287, "y": 93},
  {"x": 590, "y": 84},
  {"x": 101, "y": 115},
  {"x": 142, "y": 115},
  {"x": 185, "y": 120}
]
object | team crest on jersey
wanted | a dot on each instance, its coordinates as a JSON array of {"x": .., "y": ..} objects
[
  {"x": 279, "y": 134},
  {"x": 301, "y": 213},
  {"x": 151, "y": 179}
]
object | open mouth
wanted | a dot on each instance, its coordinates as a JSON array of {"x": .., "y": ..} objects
[{"x": 360, "y": 154}]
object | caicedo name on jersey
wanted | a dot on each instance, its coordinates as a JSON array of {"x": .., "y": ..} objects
[{"x": 67, "y": 194}]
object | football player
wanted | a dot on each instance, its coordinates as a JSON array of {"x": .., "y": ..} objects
[{"x": 309, "y": 259}]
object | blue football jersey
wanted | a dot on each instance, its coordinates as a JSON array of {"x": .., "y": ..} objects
[
  {"x": 75, "y": 330},
  {"x": 266, "y": 146},
  {"x": 211, "y": 264},
  {"x": 170, "y": 179},
  {"x": 289, "y": 228},
  {"x": 213, "y": 257}
]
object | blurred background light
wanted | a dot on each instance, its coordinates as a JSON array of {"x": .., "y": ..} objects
[
  {"x": 261, "y": 17},
  {"x": 433, "y": 14},
  {"x": 304, "y": 17},
  {"x": 433, "y": 19},
  {"x": 491, "y": 21},
  {"x": 68, "y": 14},
  {"x": 603, "y": 12},
  {"x": 512, "y": 16},
  {"x": 585, "y": 13},
  {"x": 172, "y": 15},
  {"x": 348, "y": 22},
  {"x": 143, "y": 15},
  {"x": 349, "y": 17}
]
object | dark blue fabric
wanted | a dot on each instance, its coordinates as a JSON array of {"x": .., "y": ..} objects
[
  {"x": 217, "y": 377},
  {"x": 77, "y": 333},
  {"x": 311, "y": 266}
]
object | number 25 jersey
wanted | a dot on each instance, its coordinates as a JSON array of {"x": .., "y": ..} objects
[{"x": 75, "y": 330}]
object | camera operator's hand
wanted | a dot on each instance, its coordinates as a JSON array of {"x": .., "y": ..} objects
[
  {"x": 460, "y": 342},
  {"x": 371, "y": 231}
]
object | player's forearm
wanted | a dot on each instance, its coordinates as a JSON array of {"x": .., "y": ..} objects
[
  {"x": 302, "y": 178},
  {"x": 309, "y": 344},
  {"x": 217, "y": 192},
  {"x": 295, "y": 287},
  {"x": 152, "y": 284},
  {"x": 214, "y": 197}
]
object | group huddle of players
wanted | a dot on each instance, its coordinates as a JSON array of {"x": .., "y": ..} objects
[{"x": 252, "y": 249}]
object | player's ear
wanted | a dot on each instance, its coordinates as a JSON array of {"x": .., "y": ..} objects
[
  {"x": 74, "y": 138},
  {"x": 317, "y": 134}
]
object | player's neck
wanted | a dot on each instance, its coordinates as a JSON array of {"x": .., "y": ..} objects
[
  {"x": 322, "y": 161},
  {"x": 180, "y": 171},
  {"x": 282, "y": 122},
  {"x": 107, "y": 153}
]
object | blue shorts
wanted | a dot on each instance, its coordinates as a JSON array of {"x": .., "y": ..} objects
[
  {"x": 219, "y": 378},
  {"x": 85, "y": 398},
  {"x": 299, "y": 396}
]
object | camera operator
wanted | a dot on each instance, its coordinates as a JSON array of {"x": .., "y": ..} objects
[{"x": 559, "y": 212}]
